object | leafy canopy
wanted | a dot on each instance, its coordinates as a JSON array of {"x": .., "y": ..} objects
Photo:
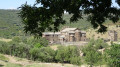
[
  {"x": 113, "y": 55},
  {"x": 49, "y": 15}
]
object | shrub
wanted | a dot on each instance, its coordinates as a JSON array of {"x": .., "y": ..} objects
[
  {"x": 99, "y": 44},
  {"x": 38, "y": 45},
  {"x": 4, "y": 48},
  {"x": 46, "y": 54},
  {"x": 113, "y": 55},
  {"x": 75, "y": 60},
  {"x": 92, "y": 57},
  {"x": 68, "y": 55},
  {"x": 34, "y": 53},
  {"x": 33, "y": 41},
  {"x": 91, "y": 54},
  {"x": 16, "y": 39}
]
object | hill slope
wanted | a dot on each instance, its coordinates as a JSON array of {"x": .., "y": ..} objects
[{"x": 10, "y": 23}]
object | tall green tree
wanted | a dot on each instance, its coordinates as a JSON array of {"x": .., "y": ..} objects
[
  {"x": 49, "y": 15},
  {"x": 113, "y": 55},
  {"x": 92, "y": 55}
]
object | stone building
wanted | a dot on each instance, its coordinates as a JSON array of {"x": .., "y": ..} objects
[
  {"x": 112, "y": 35},
  {"x": 65, "y": 35}
]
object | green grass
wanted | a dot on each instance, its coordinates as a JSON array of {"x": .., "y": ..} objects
[
  {"x": 50, "y": 65},
  {"x": 3, "y": 58},
  {"x": 12, "y": 65}
]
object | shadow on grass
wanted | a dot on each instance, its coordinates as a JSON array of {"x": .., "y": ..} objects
[{"x": 1, "y": 65}]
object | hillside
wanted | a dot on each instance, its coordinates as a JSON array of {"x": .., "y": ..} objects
[{"x": 10, "y": 23}]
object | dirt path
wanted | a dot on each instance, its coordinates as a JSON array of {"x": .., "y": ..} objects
[
  {"x": 25, "y": 62},
  {"x": 15, "y": 60},
  {"x": 5, "y": 40}
]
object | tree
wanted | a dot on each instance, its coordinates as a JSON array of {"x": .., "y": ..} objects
[
  {"x": 16, "y": 39},
  {"x": 69, "y": 54},
  {"x": 37, "y": 42},
  {"x": 91, "y": 54},
  {"x": 113, "y": 55},
  {"x": 49, "y": 15},
  {"x": 46, "y": 54}
]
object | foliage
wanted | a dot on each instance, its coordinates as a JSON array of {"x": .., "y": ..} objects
[
  {"x": 49, "y": 16},
  {"x": 3, "y": 58},
  {"x": 16, "y": 39},
  {"x": 34, "y": 53},
  {"x": 113, "y": 55},
  {"x": 38, "y": 45},
  {"x": 92, "y": 57},
  {"x": 91, "y": 54},
  {"x": 68, "y": 55},
  {"x": 37, "y": 41},
  {"x": 10, "y": 24},
  {"x": 46, "y": 54},
  {"x": 75, "y": 60},
  {"x": 100, "y": 44},
  {"x": 64, "y": 54}
]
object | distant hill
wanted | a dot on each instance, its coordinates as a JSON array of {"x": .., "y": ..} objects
[
  {"x": 82, "y": 23},
  {"x": 11, "y": 25}
]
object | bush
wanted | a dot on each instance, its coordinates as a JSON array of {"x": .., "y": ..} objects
[
  {"x": 33, "y": 41},
  {"x": 16, "y": 39},
  {"x": 66, "y": 55},
  {"x": 4, "y": 48},
  {"x": 100, "y": 44},
  {"x": 91, "y": 54},
  {"x": 46, "y": 54},
  {"x": 34, "y": 53},
  {"x": 113, "y": 55},
  {"x": 75, "y": 60}
]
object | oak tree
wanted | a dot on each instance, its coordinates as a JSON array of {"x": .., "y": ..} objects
[{"x": 48, "y": 14}]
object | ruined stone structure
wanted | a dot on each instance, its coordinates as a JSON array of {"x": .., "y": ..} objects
[
  {"x": 112, "y": 35},
  {"x": 65, "y": 35}
]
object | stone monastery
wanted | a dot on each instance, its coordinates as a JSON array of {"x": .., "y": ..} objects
[{"x": 65, "y": 35}]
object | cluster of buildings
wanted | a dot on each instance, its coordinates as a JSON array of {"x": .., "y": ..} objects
[
  {"x": 65, "y": 35},
  {"x": 72, "y": 35}
]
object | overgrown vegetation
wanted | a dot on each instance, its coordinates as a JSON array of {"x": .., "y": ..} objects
[
  {"x": 95, "y": 53},
  {"x": 69, "y": 54},
  {"x": 92, "y": 55},
  {"x": 113, "y": 55}
]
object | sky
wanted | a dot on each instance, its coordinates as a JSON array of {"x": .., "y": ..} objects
[{"x": 14, "y": 4}]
